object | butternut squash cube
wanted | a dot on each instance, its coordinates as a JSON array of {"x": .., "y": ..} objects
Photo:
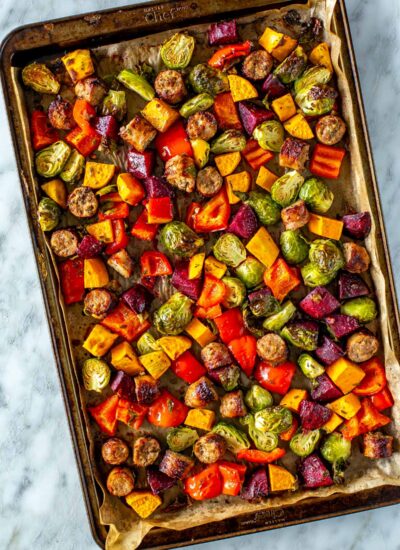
[
  {"x": 144, "y": 503},
  {"x": 212, "y": 266},
  {"x": 263, "y": 247},
  {"x": 99, "y": 341},
  {"x": 130, "y": 189},
  {"x": 95, "y": 274},
  {"x": 265, "y": 178},
  {"x": 270, "y": 39},
  {"x": 123, "y": 357},
  {"x": 281, "y": 479},
  {"x": 241, "y": 89},
  {"x": 325, "y": 227},
  {"x": 56, "y": 190},
  {"x": 286, "y": 46},
  {"x": 298, "y": 127},
  {"x": 320, "y": 55},
  {"x": 240, "y": 181},
  {"x": 160, "y": 114},
  {"x": 346, "y": 406},
  {"x": 227, "y": 163},
  {"x": 203, "y": 419},
  {"x": 199, "y": 332},
  {"x": 345, "y": 374},
  {"x": 174, "y": 346},
  {"x": 98, "y": 174},
  {"x": 284, "y": 107},
  {"x": 79, "y": 64},
  {"x": 103, "y": 231},
  {"x": 196, "y": 263},
  {"x": 333, "y": 423},
  {"x": 156, "y": 363},
  {"x": 293, "y": 398},
  {"x": 232, "y": 198}
]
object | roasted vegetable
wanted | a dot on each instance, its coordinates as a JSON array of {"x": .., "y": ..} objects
[
  {"x": 172, "y": 317},
  {"x": 256, "y": 487},
  {"x": 319, "y": 303},
  {"x": 337, "y": 450},
  {"x": 228, "y": 142},
  {"x": 96, "y": 374},
  {"x": 363, "y": 309},
  {"x": 178, "y": 239},
  {"x": 223, "y": 32},
  {"x": 229, "y": 249},
  {"x": 253, "y": 115},
  {"x": 329, "y": 351},
  {"x": 313, "y": 415},
  {"x": 276, "y": 321},
  {"x": 294, "y": 247},
  {"x": 358, "y": 225},
  {"x": 313, "y": 277},
  {"x": 269, "y": 135},
  {"x": 314, "y": 472},
  {"x": 39, "y": 77},
  {"x": 340, "y": 325},
  {"x": 267, "y": 210},
  {"x": 227, "y": 377},
  {"x": 262, "y": 303},
  {"x": 158, "y": 482},
  {"x": 316, "y": 100},
  {"x": 136, "y": 83},
  {"x": 292, "y": 67},
  {"x": 180, "y": 280},
  {"x": 235, "y": 292},
  {"x": 317, "y": 195},
  {"x": 326, "y": 256},
  {"x": 250, "y": 272},
  {"x": 309, "y": 366},
  {"x": 302, "y": 334},
  {"x": 236, "y": 440},
  {"x": 179, "y": 439},
  {"x": 305, "y": 442},
  {"x": 206, "y": 79},
  {"x": 196, "y": 104},
  {"x": 177, "y": 51},
  {"x": 50, "y": 161},
  {"x": 48, "y": 214},
  {"x": 286, "y": 188},
  {"x": 273, "y": 419},
  {"x": 264, "y": 441},
  {"x": 114, "y": 104},
  {"x": 351, "y": 285},
  {"x": 356, "y": 258},
  {"x": 257, "y": 398},
  {"x": 73, "y": 168}
]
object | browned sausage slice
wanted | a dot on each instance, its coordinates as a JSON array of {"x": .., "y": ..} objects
[
  {"x": 82, "y": 202},
  {"x": 145, "y": 451},
  {"x": 257, "y": 65},
  {"x": 170, "y": 86},
  {"x": 208, "y": 181},
  {"x": 115, "y": 451},
  {"x": 64, "y": 243},
  {"x": 202, "y": 125},
  {"x": 120, "y": 482},
  {"x": 209, "y": 448}
]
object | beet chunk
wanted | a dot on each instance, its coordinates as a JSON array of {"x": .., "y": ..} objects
[
  {"x": 273, "y": 87},
  {"x": 244, "y": 223},
  {"x": 329, "y": 352},
  {"x": 252, "y": 115},
  {"x": 224, "y": 32},
  {"x": 351, "y": 286},
  {"x": 158, "y": 481},
  {"x": 313, "y": 415},
  {"x": 256, "y": 486},
  {"x": 157, "y": 188},
  {"x": 138, "y": 298},
  {"x": 357, "y": 225},
  {"x": 341, "y": 325},
  {"x": 319, "y": 303},
  {"x": 89, "y": 247},
  {"x": 140, "y": 165},
  {"x": 314, "y": 472},
  {"x": 326, "y": 390},
  {"x": 180, "y": 280},
  {"x": 124, "y": 386},
  {"x": 107, "y": 127}
]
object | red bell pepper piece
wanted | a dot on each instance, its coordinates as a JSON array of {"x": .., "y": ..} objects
[
  {"x": 374, "y": 380},
  {"x": 207, "y": 312},
  {"x": 260, "y": 457},
  {"x": 326, "y": 161},
  {"x": 140, "y": 165},
  {"x": 105, "y": 414},
  {"x": 159, "y": 210},
  {"x": 224, "y": 56},
  {"x": 142, "y": 229},
  {"x": 214, "y": 215},
  {"x": 204, "y": 485},
  {"x": 148, "y": 282},
  {"x": 225, "y": 112},
  {"x": 213, "y": 292},
  {"x": 281, "y": 279},
  {"x": 275, "y": 378},
  {"x": 366, "y": 420},
  {"x": 174, "y": 141},
  {"x": 154, "y": 264},
  {"x": 112, "y": 207},
  {"x": 167, "y": 411},
  {"x": 230, "y": 325},
  {"x": 244, "y": 350},
  {"x": 191, "y": 213},
  {"x": 83, "y": 113},
  {"x": 255, "y": 156},
  {"x": 125, "y": 322},
  {"x": 232, "y": 477},
  {"x": 121, "y": 239},
  {"x": 85, "y": 141},
  {"x": 131, "y": 414},
  {"x": 290, "y": 432},
  {"x": 43, "y": 134},
  {"x": 382, "y": 400},
  {"x": 188, "y": 368},
  {"x": 71, "y": 279}
]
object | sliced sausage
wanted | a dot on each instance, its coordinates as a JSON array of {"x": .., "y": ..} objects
[
  {"x": 215, "y": 355},
  {"x": 120, "y": 482},
  {"x": 146, "y": 389},
  {"x": 208, "y": 181},
  {"x": 257, "y": 65},
  {"x": 92, "y": 89},
  {"x": 232, "y": 405},
  {"x": 82, "y": 202},
  {"x": 145, "y": 451},
  {"x": 361, "y": 346},
  {"x": 272, "y": 348},
  {"x": 295, "y": 216},
  {"x": 210, "y": 448},
  {"x": 98, "y": 302},
  {"x": 200, "y": 393},
  {"x": 377, "y": 445},
  {"x": 356, "y": 257},
  {"x": 60, "y": 114},
  {"x": 330, "y": 129},
  {"x": 115, "y": 451},
  {"x": 294, "y": 154},
  {"x": 176, "y": 465},
  {"x": 170, "y": 86},
  {"x": 64, "y": 243},
  {"x": 202, "y": 125},
  {"x": 180, "y": 172}
]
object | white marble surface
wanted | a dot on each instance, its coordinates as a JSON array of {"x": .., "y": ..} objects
[{"x": 41, "y": 505}]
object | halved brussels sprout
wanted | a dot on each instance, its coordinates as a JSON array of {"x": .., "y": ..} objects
[
  {"x": 312, "y": 77},
  {"x": 250, "y": 272},
  {"x": 147, "y": 343},
  {"x": 257, "y": 398},
  {"x": 48, "y": 214},
  {"x": 228, "y": 142},
  {"x": 285, "y": 189},
  {"x": 178, "y": 239},
  {"x": 200, "y": 102},
  {"x": 263, "y": 304},
  {"x": 73, "y": 168},
  {"x": 326, "y": 256},
  {"x": 179, "y": 439},
  {"x": 270, "y": 135},
  {"x": 236, "y": 440},
  {"x": 304, "y": 443},
  {"x": 313, "y": 277},
  {"x": 252, "y": 323},
  {"x": 273, "y": 419},
  {"x": 174, "y": 315},
  {"x": 115, "y": 104},
  {"x": 302, "y": 334},
  {"x": 294, "y": 247},
  {"x": 317, "y": 195},
  {"x": 136, "y": 83},
  {"x": 292, "y": 67},
  {"x": 51, "y": 160},
  {"x": 317, "y": 100},
  {"x": 177, "y": 51},
  {"x": 309, "y": 366},
  {"x": 266, "y": 209},
  {"x": 230, "y": 250},
  {"x": 276, "y": 321},
  {"x": 96, "y": 374},
  {"x": 337, "y": 450},
  {"x": 39, "y": 77},
  {"x": 363, "y": 309},
  {"x": 264, "y": 441},
  {"x": 235, "y": 292},
  {"x": 228, "y": 376},
  {"x": 206, "y": 79}
]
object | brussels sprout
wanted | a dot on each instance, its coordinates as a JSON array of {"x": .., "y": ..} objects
[
  {"x": 309, "y": 366},
  {"x": 200, "y": 102},
  {"x": 302, "y": 334},
  {"x": 228, "y": 376},
  {"x": 363, "y": 309},
  {"x": 206, "y": 79},
  {"x": 178, "y": 239},
  {"x": 263, "y": 303},
  {"x": 313, "y": 277},
  {"x": 235, "y": 292},
  {"x": 230, "y": 250},
  {"x": 96, "y": 374},
  {"x": 276, "y": 321},
  {"x": 292, "y": 67},
  {"x": 73, "y": 168},
  {"x": 48, "y": 214},
  {"x": 304, "y": 443},
  {"x": 236, "y": 440},
  {"x": 317, "y": 100},
  {"x": 39, "y": 77},
  {"x": 147, "y": 343},
  {"x": 179, "y": 439},
  {"x": 337, "y": 450},
  {"x": 294, "y": 247},
  {"x": 252, "y": 323},
  {"x": 265, "y": 441},
  {"x": 285, "y": 189},
  {"x": 273, "y": 419},
  {"x": 137, "y": 84},
  {"x": 270, "y": 135},
  {"x": 312, "y": 77},
  {"x": 317, "y": 195},
  {"x": 115, "y": 104},
  {"x": 50, "y": 161},
  {"x": 174, "y": 315},
  {"x": 177, "y": 51},
  {"x": 326, "y": 256},
  {"x": 250, "y": 272},
  {"x": 257, "y": 398},
  {"x": 228, "y": 142},
  {"x": 268, "y": 212}
]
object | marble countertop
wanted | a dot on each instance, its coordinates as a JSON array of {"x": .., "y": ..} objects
[{"x": 41, "y": 504}]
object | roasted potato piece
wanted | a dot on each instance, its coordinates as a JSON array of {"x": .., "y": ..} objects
[
  {"x": 146, "y": 389},
  {"x": 176, "y": 465},
  {"x": 295, "y": 216},
  {"x": 120, "y": 482},
  {"x": 232, "y": 405},
  {"x": 145, "y": 451},
  {"x": 200, "y": 393},
  {"x": 115, "y": 451},
  {"x": 294, "y": 154},
  {"x": 139, "y": 133},
  {"x": 209, "y": 448},
  {"x": 377, "y": 445}
]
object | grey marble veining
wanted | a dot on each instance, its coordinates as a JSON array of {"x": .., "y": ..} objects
[{"x": 41, "y": 505}]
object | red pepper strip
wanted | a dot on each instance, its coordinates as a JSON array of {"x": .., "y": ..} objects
[
  {"x": 326, "y": 161},
  {"x": 142, "y": 229},
  {"x": 83, "y": 113},
  {"x": 289, "y": 433},
  {"x": 382, "y": 400},
  {"x": 125, "y": 322},
  {"x": 255, "y": 156},
  {"x": 43, "y": 134},
  {"x": 244, "y": 350},
  {"x": 230, "y": 325},
  {"x": 366, "y": 420},
  {"x": 131, "y": 414},
  {"x": 188, "y": 368},
  {"x": 120, "y": 238},
  {"x": 207, "y": 312},
  {"x": 174, "y": 141},
  {"x": 71, "y": 279},
  {"x": 111, "y": 210},
  {"x": 374, "y": 380},
  {"x": 232, "y": 477},
  {"x": 275, "y": 378},
  {"x": 213, "y": 292},
  {"x": 85, "y": 141},
  {"x": 281, "y": 279},
  {"x": 225, "y": 55},
  {"x": 204, "y": 485},
  {"x": 191, "y": 213},
  {"x": 105, "y": 414},
  {"x": 159, "y": 210},
  {"x": 260, "y": 457},
  {"x": 226, "y": 113},
  {"x": 154, "y": 264},
  {"x": 214, "y": 215},
  {"x": 167, "y": 411}
]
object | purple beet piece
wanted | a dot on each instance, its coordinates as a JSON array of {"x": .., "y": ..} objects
[
  {"x": 140, "y": 165},
  {"x": 107, "y": 127},
  {"x": 313, "y": 415},
  {"x": 326, "y": 390},
  {"x": 273, "y": 87},
  {"x": 259, "y": 294},
  {"x": 89, "y": 247},
  {"x": 180, "y": 280},
  {"x": 137, "y": 298},
  {"x": 256, "y": 486},
  {"x": 351, "y": 286},
  {"x": 329, "y": 352},
  {"x": 314, "y": 472},
  {"x": 158, "y": 481},
  {"x": 319, "y": 303},
  {"x": 124, "y": 386},
  {"x": 357, "y": 225},
  {"x": 224, "y": 32},
  {"x": 252, "y": 115},
  {"x": 244, "y": 223},
  {"x": 340, "y": 325},
  {"x": 227, "y": 377},
  {"x": 157, "y": 188}
]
